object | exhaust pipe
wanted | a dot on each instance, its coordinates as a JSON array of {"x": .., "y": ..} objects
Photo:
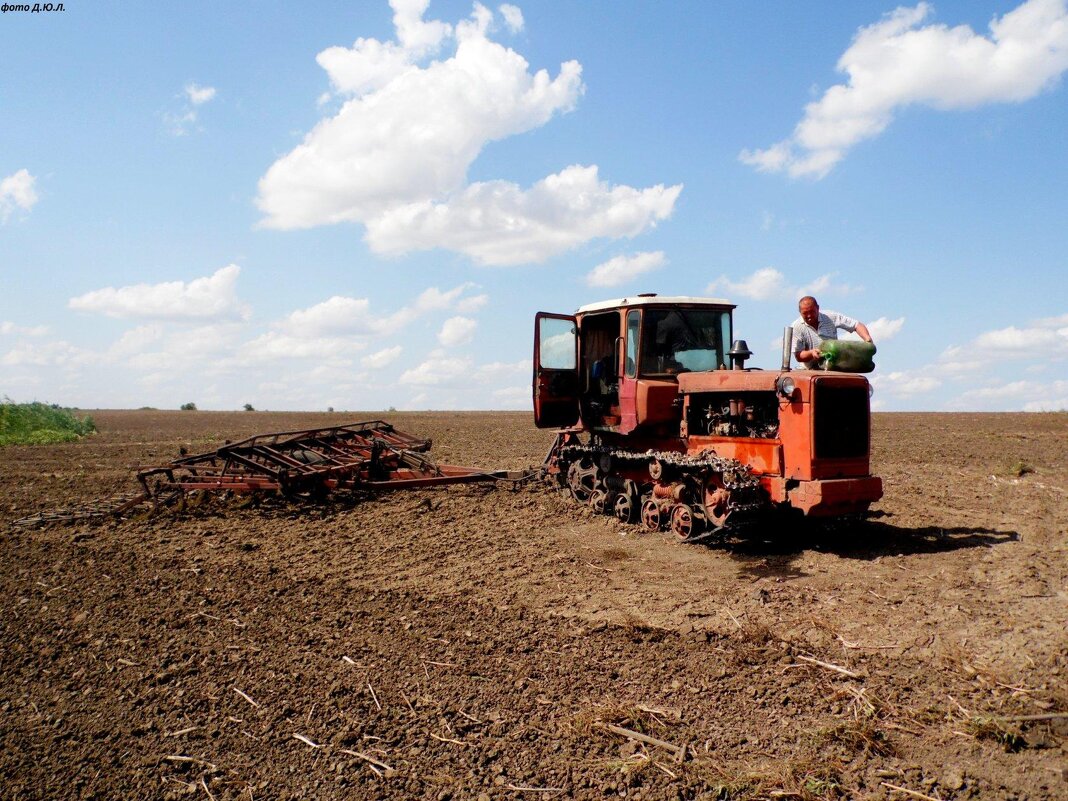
[{"x": 787, "y": 346}]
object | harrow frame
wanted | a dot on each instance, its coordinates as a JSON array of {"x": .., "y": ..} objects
[{"x": 371, "y": 455}]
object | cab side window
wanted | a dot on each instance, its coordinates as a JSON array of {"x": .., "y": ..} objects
[{"x": 633, "y": 329}]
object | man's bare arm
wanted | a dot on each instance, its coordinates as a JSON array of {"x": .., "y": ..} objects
[{"x": 863, "y": 331}]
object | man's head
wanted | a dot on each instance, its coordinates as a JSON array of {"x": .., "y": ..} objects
[{"x": 810, "y": 310}]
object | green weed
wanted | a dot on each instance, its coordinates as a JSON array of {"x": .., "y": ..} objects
[{"x": 40, "y": 424}]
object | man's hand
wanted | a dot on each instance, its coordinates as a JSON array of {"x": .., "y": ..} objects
[{"x": 862, "y": 330}]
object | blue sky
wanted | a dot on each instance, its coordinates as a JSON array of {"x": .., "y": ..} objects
[{"x": 362, "y": 206}]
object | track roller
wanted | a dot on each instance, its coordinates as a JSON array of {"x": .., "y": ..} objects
[
  {"x": 684, "y": 523},
  {"x": 652, "y": 519}
]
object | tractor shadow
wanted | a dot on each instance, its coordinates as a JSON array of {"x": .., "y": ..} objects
[{"x": 772, "y": 550}]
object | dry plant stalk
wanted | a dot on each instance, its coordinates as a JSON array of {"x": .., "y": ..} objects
[
  {"x": 373, "y": 696},
  {"x": 246, "y": 697},
  {"x": 679, "y": 750},
  {"x": 448, "y": 739},
  {"x": 371, "y": 761},
  {"x": 828, "y": 666}
]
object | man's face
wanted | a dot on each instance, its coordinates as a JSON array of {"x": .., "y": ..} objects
[{"x": 810, "y": 312}]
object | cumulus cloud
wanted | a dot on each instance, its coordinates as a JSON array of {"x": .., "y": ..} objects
[
  {"x": 621, "y": 269},
  {"x": 898, "y": 62},
  {"x": 457, "y": 331},
  {"x": 770, "y": 284},
  {"x": 17, "y": 192},
  {"x": 395, "y": 157},
  {"x": 210, "y": 298}
]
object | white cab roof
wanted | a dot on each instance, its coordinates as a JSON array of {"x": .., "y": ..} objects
[{"x": 659, "y": 300}]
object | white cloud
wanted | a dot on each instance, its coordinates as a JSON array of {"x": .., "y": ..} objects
[
  {"x": 621, "y": 269},
  {"x": 136, "y": 340},
  {"x": 336, "y": 316},
  {"x": 278, "y": 345},
  {"x": 1027, "y": 396},
  {"x": 395, "y": 156},
  {"x": 184, "y": 120},
  {"x": 896, "y": 63},
  {"x": 341, "y": 316},
  {"x": 770, "y": 284},
  {"x": 498, "y": 223},
  {"x": 181, "y": 123},
  {"x": 884, "y": 328},
  {"x": 46, "y": 354},
  {"x": 17, "y": 192},
  {"x": 8, "y": 327},
  {"x": 210, "y": 298},
  {"x": 1034, "y": 340},
  {"x": 472, "y": 304},
  {"x": 199, "y": 95},
  {"x": 512, "y": 397},
  {"x": 457, "y": 331},
  {"x": 382, "y": 358},
  {"x": 513, "y": 17},
  {"x": 905, "y": 383},
  {"x": 498, "y": 371},
  {"x": 436, "y": 370}
]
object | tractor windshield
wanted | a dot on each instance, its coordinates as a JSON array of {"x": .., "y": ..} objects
[{"x": 680, "y": 340}]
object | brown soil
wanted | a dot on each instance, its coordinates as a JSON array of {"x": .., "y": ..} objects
[{"x": 478, "y": 641}]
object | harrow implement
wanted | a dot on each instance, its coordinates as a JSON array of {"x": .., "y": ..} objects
[{"x": 309, "y": 464}]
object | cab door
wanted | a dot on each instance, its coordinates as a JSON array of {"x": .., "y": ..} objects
[{"x": 556, "y": 385}]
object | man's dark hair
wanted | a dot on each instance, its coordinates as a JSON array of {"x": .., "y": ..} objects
[{"x": 808, "y": 297}]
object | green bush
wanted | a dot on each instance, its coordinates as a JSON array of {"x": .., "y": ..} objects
[
  {"x": 40, "y": 424},
  {"x": 188, "y": 407}
]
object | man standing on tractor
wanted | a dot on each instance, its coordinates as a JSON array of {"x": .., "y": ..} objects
[{"x": 814, "y": 326}]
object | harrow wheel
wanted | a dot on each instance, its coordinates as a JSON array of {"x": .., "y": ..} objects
[
  {"x": 684, "y": 524},
  {"x": 652, "y": 520},
  {"x": 582, "y": 479}
]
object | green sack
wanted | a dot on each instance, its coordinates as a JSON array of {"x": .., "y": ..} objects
[{"x": 847, "y": 356}]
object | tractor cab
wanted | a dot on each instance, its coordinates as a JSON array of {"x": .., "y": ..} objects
[{"x": 614, "y": 366}]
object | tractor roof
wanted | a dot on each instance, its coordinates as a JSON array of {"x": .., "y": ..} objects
[{"x": 655, "y": 300}]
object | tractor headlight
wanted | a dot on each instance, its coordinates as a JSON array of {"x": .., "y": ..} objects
[
  {"x": 786, "y": 386},
  {"x": 871, "y": 389}
]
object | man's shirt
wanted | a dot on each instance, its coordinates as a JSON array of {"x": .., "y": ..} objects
[{"x": 808, "y": 338}]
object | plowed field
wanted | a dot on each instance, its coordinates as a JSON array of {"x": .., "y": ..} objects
[{"x": 478, "y": 643}]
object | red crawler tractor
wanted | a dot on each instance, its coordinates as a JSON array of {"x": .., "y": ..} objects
[{"x": 659, "y": 423}]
